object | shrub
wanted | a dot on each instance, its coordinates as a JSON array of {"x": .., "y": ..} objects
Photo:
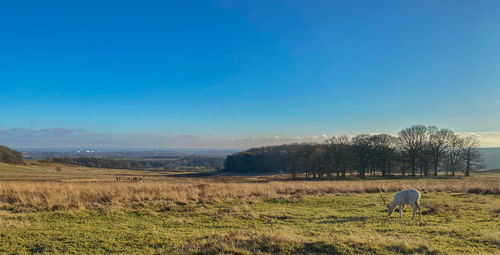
[{"x": 10, "y": 156}]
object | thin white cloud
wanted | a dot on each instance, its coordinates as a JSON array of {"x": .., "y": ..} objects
[
  {"x": 73, "y": 138},
  {"x": 486, "y": 139}
]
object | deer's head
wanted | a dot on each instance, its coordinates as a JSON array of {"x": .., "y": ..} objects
[{"x": 390, "y": 209}]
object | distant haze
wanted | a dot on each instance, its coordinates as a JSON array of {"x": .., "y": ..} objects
[
  {"x": 491, "y": 157},
  {"x": 80, "y": 138}
]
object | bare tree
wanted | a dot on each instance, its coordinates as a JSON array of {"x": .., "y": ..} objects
[
  {"x": 293, "y": 162},
  {"x": 383, "y": 152},
  {"x": 305, "y": 155},
  {"x": 319, "y": 161},
  {"x": 412, "y": 141},
  {"x": 341, "y": 150},
  {"x": 363, "y": 149},
  {"x": 455, "y": 153},
  {"x": 439, "y": 140},
  {"x": 471, "y": 154},
  {"x": 396, "y": 155}
]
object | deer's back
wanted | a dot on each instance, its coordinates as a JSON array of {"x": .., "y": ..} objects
[{"x": 407, "y": 196}]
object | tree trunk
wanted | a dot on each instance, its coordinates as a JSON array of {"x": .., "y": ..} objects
[
  {"x": 362, "y": 174},
  {"x": 413, "y": 166},
  {"x": 435, "y": 168},
  {"x": 467, "y": 169}
]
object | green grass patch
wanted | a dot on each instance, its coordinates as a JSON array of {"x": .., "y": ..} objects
[{"x": 333, "y": 224}]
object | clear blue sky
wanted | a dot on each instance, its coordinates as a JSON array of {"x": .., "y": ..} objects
[{"x": 231, "y": 69}]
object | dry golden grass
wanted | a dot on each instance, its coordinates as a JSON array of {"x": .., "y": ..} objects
[
  {"x": 21, "y": 195},
  {"x": 40, "y": 186}
]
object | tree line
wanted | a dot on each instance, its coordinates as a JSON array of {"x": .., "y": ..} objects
[
  {"x": 417, "y": 150},
  {"x": 10, "y": 156},
  {"x": 194, "y": 163}
]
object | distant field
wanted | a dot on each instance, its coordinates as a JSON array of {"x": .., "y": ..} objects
[
  {"x": 37, "y": 171},
  {"x": 84, "y": 210},
  {"x": 487, "y": 171}
]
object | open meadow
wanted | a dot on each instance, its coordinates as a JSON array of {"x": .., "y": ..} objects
[
  {"x": 60, "y": 209},
  {"x": 250, "y": 127}
]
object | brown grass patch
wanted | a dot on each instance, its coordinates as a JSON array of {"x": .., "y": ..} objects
[
  {"x": 431, "y": 207},
  {"x": 63, "y": 195}
]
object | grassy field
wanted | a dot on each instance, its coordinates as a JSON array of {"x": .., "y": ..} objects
[
  {"x": 82, "y": 210},
  {"x": 39, "y": 171}
]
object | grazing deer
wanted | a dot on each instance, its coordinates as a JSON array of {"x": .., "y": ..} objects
[{"x": 401, "y": 199}]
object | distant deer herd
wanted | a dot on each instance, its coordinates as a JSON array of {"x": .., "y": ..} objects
[{"x": 118, "y": 178}]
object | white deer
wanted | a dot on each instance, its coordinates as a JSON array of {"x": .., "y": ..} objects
[{"x": 401, "y": 199}]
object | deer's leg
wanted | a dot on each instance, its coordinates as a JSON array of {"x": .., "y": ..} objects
[
  {"x": 414, "y": 210},
  {"x": 400, "y": 211},
  {"x": 419, "y": 210}
]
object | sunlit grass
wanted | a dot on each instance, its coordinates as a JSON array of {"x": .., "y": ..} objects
[
  {"x": 342, "y": 223},
  {"x": 247, "y": 215}
]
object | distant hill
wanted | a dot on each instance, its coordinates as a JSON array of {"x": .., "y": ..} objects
[{"x": 491, "y": 157}]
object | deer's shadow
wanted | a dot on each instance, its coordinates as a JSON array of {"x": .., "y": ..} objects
[{"x": 335, "y": 219}]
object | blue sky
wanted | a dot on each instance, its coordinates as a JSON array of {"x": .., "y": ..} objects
[{"x": 224, "y": 70}]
